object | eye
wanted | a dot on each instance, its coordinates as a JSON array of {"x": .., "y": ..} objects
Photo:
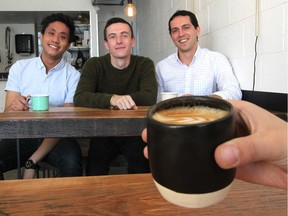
[
  {"x": 187, "y": 27},
  {"x": 173, "y": 31},
  {"x": 111, "y": 37}
]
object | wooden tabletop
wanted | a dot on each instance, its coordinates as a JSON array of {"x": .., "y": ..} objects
[
  {"x": 126, "y": 195},
  {"x": 72, "y": 122}
]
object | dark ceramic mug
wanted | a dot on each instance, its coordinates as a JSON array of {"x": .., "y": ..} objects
[{"x": 181, "y": 157}]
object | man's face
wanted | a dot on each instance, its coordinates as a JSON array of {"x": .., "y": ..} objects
[
  {"x": 184, "y": 34},
  {"x": 119, "y": 41},
  {"x": 55, "y": 40}
]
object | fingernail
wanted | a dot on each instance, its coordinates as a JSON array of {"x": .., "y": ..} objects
[{"x": 230, "y": 156}]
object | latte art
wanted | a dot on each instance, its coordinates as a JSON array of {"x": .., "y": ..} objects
[{"x": 189, "y": 115}]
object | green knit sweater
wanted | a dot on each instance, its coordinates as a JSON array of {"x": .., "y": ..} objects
[{"x": 100, "y": 80}]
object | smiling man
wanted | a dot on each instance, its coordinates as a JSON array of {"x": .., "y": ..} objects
[
  {"x": 46, "y": 74},
  {"x": 193, "y": 70},
  {"x": 118, "y": 80}
]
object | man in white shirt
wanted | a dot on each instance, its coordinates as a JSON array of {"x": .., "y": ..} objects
[
  {"x": 46, "y": 74},
  {"x": 193, "y": 70}
]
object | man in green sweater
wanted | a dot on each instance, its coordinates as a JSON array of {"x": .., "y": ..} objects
[{"x": 122, "y": 81}]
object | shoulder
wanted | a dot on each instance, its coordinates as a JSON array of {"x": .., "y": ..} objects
[
  {"x": 24, "y": 65},
  {"x": 98, "y": 60},
  {"x": 25, "y": 62},
  {"x": 170, "y": 59},
  {"x": 168, "y": 63},
  {"x": 214, "y": 55},
  {"x": 65, "y": 71},
  {"x": 138, "y": 58},
  {"x": 141, "y": 63},
  {"x": 72, "y": 70}
]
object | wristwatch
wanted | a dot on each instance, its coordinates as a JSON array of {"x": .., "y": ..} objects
[{"x": 30, "y": 164}]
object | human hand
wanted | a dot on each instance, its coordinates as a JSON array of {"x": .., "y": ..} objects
[
  {"x": 123, "y": 102},
  {"x": 261, "y": 156},
  {"x": 19, "y": 103},
  {"x": 144, "y": 137},
  {"x": 29, "y": 173}
]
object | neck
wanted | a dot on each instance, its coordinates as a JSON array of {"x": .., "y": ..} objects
[
  {"x": 187, "y": 56},
  {"x": 49, "y": 62},
  {"x": 120, "y": 63}
]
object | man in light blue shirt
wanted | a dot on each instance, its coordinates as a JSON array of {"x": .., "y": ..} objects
[
  {"x": 193, "y": 70},
  {"x": 47, "y": 74},
  {"x": 29, "y": 77}
]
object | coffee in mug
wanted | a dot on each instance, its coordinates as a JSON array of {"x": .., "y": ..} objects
[
  {"x": 182, "y": 135},
  {"x": 189, "y": 115}
]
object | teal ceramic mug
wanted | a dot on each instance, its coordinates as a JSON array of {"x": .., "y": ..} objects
[{"x": 40, "y": 102}]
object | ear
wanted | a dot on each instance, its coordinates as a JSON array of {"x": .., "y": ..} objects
[
  {"x": 106, "y": 45},
  {"x": 198, "y": 30},
  {"x": 133, "y": 41}
]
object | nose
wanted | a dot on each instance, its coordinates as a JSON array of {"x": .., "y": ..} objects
[
  {"x": 118, "y": 39},
  {"x": 55, "y": 38},
  {"x": 180, "y": 32}
]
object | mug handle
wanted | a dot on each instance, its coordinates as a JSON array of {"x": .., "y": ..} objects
[{"x": 28, "y": 98}]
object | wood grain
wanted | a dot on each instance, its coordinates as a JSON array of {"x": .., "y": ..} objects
[
  {"x": 72, "y": 122},
  {"x": 126, "y": 195}
]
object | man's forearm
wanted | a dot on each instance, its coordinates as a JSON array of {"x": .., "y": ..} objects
[{"x": 46, "y": 146}]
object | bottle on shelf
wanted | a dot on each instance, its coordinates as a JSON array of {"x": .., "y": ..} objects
[{"x": 80, "y": 60}]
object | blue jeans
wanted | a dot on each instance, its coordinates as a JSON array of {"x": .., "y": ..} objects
[
  {"x": 104, "y": 149},
  {"x": 65, "y": 156}
]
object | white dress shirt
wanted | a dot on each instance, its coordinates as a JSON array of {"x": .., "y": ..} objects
[
  {"x": 209, "y": 72},
  {"x": 29, "y": 77}
]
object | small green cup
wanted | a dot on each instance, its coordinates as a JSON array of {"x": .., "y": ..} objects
[{"x": 40, "y": 102}]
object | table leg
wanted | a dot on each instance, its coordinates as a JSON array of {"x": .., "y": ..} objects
[{"x": 18, "y": 159}]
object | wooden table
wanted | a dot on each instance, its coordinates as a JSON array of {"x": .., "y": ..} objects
[
  {"x": 126, "y": 195},
  {"x": 72, "y": 122}
]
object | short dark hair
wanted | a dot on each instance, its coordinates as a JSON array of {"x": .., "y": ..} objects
[
  {"x": 68, "y": 21},
  {"x": 116, "y": 20},
  {"x": 192, "y": 16}
]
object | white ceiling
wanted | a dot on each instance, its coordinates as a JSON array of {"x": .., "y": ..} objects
[{"x": 22, "y": 17}]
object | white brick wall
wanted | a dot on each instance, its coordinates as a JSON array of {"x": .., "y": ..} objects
[
  {"x": 152, "y": 26},
  {"x": 228, "y": 26}
]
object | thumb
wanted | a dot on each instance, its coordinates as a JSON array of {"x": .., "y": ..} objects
[{"x": 239, "y": 151}]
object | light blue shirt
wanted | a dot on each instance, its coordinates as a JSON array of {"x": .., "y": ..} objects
[
  {"x": 29, "y": 77},
  {"x": 209, "y": 72}
]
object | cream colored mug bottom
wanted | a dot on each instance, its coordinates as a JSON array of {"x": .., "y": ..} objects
[{"x": 193, "y": 200}]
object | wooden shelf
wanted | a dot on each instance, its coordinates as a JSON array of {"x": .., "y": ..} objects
[{"x": 77, "y": 48}]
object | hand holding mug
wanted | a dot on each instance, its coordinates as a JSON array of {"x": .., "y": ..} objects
[
  {"x": 256, "y": 159},
  {"x": 19, "y": 103},
  {"x": 39, "y": 102}
]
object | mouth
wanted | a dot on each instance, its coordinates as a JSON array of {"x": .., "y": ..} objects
[
  {"x": 183, "y": 40},
  {"x": 119, "y": 48},
  {"x": 53, "y": 46}
]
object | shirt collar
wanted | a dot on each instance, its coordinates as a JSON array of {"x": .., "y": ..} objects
[
  {"x": 195, "y": 56},
  {"x": 41, "y": 65}
]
